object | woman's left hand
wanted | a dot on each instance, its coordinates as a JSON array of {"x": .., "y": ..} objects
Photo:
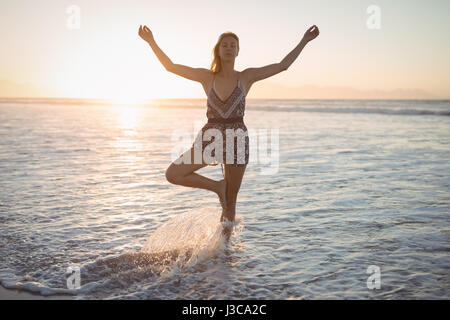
[{"x": 311, "y": 33}]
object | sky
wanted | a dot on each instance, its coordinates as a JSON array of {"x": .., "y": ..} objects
[{"x": 44, "y": 53}]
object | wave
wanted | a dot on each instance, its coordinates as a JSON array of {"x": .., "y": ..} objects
[{"x": 178, "y": 245}]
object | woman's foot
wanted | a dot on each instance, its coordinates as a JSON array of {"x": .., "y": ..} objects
[
  {"x": 222, "y": 193},
  {"x": 226, "y": 231}
]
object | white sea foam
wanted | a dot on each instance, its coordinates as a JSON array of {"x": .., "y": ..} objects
[
  {"x": 84, "y": 185},
  {"x": 192, "y": 236}
]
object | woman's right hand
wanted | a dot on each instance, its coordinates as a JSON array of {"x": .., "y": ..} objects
[{"x": 145, "y": 33}]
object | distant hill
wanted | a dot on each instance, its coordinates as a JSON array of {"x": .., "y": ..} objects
[{"x": 274, "y": 90}]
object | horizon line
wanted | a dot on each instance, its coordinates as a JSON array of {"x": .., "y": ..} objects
[{"x": 151, "y": 99}]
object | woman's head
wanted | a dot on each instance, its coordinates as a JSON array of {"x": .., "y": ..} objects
[{"x": 226, "y": 48}]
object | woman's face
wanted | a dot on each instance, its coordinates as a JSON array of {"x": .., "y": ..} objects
[{"x": 228, "y": 49}]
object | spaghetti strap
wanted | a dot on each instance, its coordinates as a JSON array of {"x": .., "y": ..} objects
[{"x": 238, "y": 78}]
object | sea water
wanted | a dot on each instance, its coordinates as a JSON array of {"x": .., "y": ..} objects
[{"x": 356, "y": 184}]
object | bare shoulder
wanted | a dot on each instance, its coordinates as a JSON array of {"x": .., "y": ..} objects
[
  {"x": 245, "y": 74},
  {"x": 245, "y": 77},
  {"x": 205, "y": 75},
  {"x": 207, "y": 79}
]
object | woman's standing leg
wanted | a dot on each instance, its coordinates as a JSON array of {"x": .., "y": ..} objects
[{"x": 233, "y": 177}]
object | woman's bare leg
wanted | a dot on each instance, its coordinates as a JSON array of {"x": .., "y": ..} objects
[
  {"x": 184, "y": 174},
  {"x": 233, "y": 176}
]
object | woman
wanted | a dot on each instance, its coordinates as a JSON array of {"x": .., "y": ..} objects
[{"x": 226, "y": 90}]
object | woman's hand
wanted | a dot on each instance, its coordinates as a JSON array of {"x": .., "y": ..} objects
[
  {"x": 145, "y": 33},
  {"x": 311, "y": 33}
]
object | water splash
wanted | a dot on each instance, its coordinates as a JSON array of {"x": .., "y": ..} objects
[
  {"x": 177, "y": 246},
  {"x": 192, "y": 237},
  {"x": 180, "y": 243}
]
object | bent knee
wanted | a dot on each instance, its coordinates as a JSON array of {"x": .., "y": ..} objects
[{"x": 171, "y": 175}]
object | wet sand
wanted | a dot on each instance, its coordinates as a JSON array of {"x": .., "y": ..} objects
[{"x": 7, "y": 294}]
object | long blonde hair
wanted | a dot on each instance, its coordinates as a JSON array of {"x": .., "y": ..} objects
[{"x": 216, "y": 63}]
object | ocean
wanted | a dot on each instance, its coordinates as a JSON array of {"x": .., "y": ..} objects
[{"x": 342, "y": 199}]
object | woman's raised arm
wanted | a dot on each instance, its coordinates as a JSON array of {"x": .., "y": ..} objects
[
  {"x": 195, "y": 74},
  {"x": 256, "y": 74},
  {"x": 309, "y": 35}
]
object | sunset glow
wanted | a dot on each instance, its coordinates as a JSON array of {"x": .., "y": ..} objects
[{"x": 92, "y": 49}]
